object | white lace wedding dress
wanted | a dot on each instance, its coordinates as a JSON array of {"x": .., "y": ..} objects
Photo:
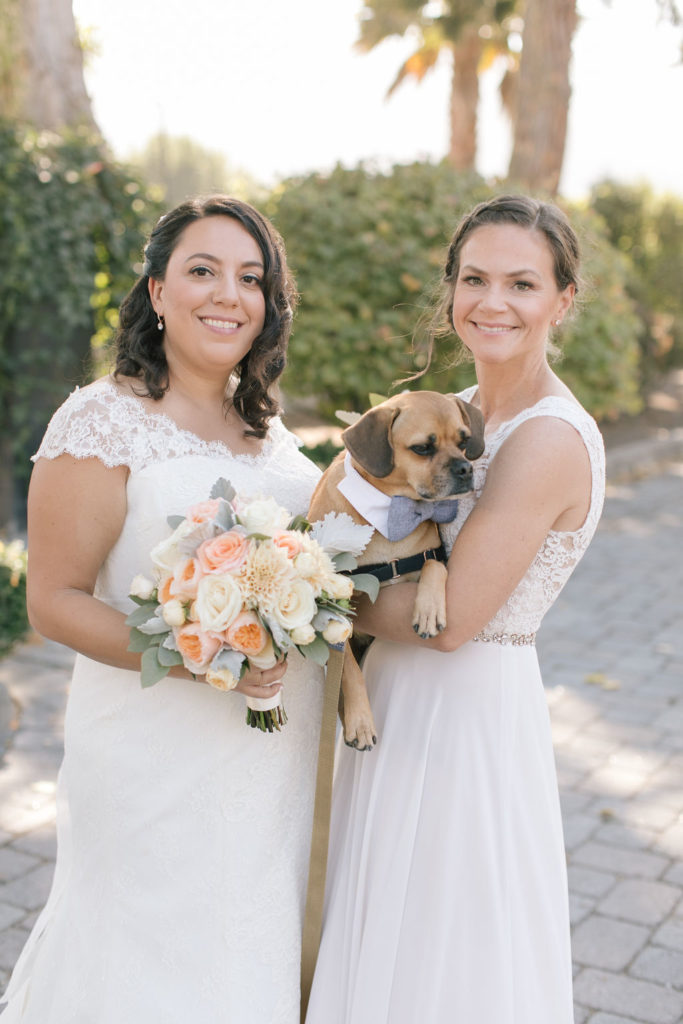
[
  {"x": 183, "y": 834},
  {"x": 447, "y": 893}
]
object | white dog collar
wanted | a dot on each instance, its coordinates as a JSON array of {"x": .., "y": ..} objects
[{"x": 371, "y": 503}]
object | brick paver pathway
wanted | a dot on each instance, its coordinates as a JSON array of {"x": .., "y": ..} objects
[{"x": 611, "y": 651}]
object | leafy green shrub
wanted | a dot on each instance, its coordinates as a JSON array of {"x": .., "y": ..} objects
[
  {"x": 368, "y": 249},
  {"x": 364, "y": 247},
  {"x": 322, "y": 453},
  {"x": 600, "y": 352},
  {"x": 649, "y": 230},
  {"x": 13, "y": 619},
  {"x": 72, "y": 223}
]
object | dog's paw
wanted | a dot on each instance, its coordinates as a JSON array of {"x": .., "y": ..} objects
[
  {"x": 429, "y": 620},
  {"x": 359, "y": 730}
]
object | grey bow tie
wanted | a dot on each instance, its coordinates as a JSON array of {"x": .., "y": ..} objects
[{"x": 405, "y": 514}]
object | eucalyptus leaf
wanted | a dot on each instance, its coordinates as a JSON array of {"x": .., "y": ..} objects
[
  {"x": 343, "y": 561},
  {"x": 299, "y": 523},
  {"x": 318, "y": 650},
  {"x": 367, "y": 584},
  {"x": 167, "y": 657},
  {"x": 140, "y": 642},
  {"x": 225, "y": 517},
  {"x": 142, "y": 614},
  {"x": 150, "y": 670},
  {"x": 223, "y": 489}
]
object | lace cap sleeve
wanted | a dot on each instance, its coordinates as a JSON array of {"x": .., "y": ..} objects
[{"x": 86, "y": 426}]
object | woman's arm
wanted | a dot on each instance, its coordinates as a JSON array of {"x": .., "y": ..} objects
[
  {"x": 76, "y": 511},
  {"x": 538, "y": 481}
]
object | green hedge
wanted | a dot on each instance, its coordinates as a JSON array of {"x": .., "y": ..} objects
[
  {"x": 13, "y": 619},
  {"x": 368, "y": 248},
  {"x": 648, "y": 229},
  {"x": 72, "y": 222}
]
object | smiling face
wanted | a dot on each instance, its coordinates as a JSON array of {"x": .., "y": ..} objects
[
  {"x": 506, "y": 296},
  {"x": 211, "y": 297}
]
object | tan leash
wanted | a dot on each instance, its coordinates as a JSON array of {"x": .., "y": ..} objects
[{"x": 317, "y": 866}]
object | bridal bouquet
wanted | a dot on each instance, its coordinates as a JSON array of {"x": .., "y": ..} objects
[{"x": 238, "y": 584}]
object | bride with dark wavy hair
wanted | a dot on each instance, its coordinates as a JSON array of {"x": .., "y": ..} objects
[{"x": 183, "y": 835}]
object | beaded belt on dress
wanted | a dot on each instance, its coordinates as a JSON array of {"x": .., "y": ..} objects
[{"x": 516, "y": 639}]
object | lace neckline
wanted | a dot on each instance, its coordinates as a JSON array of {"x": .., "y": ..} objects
[{"x": 200, "y": 444}]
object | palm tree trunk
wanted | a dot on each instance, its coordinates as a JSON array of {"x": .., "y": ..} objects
[
  {"x": 543, "y": 95},
  {"x": 464, "y": 100},
  {"x": 46, "y": 69}
]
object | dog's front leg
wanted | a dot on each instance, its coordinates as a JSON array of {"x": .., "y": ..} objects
[
  {"x": 429, "y": 610},
  {"x": 356, "y": 714}
]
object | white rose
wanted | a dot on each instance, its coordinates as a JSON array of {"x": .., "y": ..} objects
[
  {"x": 173, "y": 612},
  {"x": 219, "y": 602},
  {"x": 303, "y": 635},
  {"x": 295, "y": 605},
  {"x": 142, "y": 587},
  {"x": 306, "y": 563},
  {"x": 221, "y": 678},
  {"x": 166, "y": 553},
  {"x": 263, "y": 515},
  {"x": 337, "y": 632},
  {"x": 338, "y": 586}
]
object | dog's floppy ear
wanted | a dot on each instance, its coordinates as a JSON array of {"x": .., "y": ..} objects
[
  {"x": 368, "y": 441},
  {"x": 475, "y": 421}
]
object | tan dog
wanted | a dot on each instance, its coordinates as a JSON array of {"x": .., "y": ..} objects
[{"x": 416, "y": 445}]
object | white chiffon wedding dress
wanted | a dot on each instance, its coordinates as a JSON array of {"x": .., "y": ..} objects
[
  {"x": 447, "y": 893},
  {"x": 183, "y": 834}
]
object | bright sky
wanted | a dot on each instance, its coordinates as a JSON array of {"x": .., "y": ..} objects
[{"x": 277, "y": 86}]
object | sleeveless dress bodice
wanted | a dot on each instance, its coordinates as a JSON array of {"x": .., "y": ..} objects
[{"x": 560, "y": 553}]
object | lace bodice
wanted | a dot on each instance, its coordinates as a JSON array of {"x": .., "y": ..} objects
[
  {"x": 170, "y": 469},
  {"x": 561, "y": 551}
]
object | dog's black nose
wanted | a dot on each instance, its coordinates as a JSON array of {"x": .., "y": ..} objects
[{"x": 461, "y": 470}]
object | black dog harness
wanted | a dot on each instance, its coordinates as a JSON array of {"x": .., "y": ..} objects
[{"x": 401, "y": 566}]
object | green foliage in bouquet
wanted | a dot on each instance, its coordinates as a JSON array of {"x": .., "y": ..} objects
[
  {"x": 368, "y": 248},
  {"x": 13, "y": 619}
]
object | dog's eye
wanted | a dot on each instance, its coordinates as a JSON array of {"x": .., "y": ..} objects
[{"x": 423, "y": 449}]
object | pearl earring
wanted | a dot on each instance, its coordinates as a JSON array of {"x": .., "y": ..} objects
[
  {"x": 557, "y": 323},
  {"x": 160, "y": 322}
]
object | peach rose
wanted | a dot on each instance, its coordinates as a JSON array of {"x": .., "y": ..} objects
[
  {"x": 224, "y": 553},
  {"x": 290, "y": 540},
  {"x": 186, "y": 577},
  {"x": 221, "y": 679},
  {"x": 164, "y": 592},
  {"x": 265, "y": 658},
  {"x": 246, "y": 634},
  {"x": 204, "y": 511},
  {"x": 196, "y": 647}
]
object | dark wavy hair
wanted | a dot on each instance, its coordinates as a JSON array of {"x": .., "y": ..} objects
[
  {"x": 525, "y": 212},
  {"x": 139, "y": 344}
]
